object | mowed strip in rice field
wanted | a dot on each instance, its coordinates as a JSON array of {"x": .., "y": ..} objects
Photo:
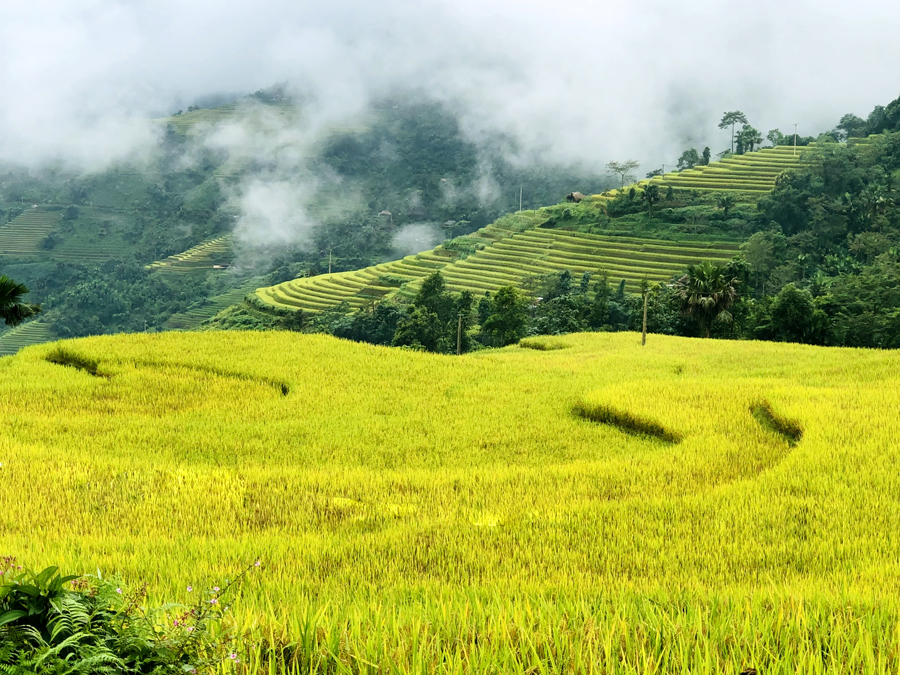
[{"x": 510, "y": 258}]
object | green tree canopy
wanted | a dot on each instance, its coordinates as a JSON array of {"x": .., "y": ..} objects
[
  {"x": 508, "y": 319},
  {"x": 748, "y": 139},
  {"x": 707, "y": 293},
  {"x": 689, "y": 159}
]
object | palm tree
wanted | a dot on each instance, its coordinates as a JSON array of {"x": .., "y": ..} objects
[
  {"x": 12, "y": 310},
  {"x": 707, "y": 293}
]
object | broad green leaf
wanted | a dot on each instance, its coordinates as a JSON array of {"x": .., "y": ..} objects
[{"x": 13, "y": 615}]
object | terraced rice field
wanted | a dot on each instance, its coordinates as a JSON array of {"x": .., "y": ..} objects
[
  {"x": 24, "y": 335},
  {"x": 212, "y": 254},
  {"x": 192, "y": 318},
  {"x": 754, "y": 172},
  {"x": 23, "y": 235},
  {"x": 510, "y": 258},
  {"x": 197, "y": 120}
]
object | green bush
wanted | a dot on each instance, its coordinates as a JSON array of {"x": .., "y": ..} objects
[{"x": 57, "y": 624}]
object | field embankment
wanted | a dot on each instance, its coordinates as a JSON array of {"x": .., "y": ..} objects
[{"x": 582, "y": 504}]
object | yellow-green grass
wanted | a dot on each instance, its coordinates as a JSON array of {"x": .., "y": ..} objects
[
  {"x": 24, "y": 335},
  {"x": 425, "y": 513},
  {"x": 509, "y": 258},
  {"x": 24, "y": 233},
  {"x": 213, "y": 254}
]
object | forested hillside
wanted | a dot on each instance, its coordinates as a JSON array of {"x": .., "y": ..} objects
[
  {"x": 802, "y": 241},
  {"x": 97, "y": 249},
  {"x": 807, "y": 233}
]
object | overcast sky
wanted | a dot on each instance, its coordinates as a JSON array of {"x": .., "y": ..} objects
[{"x": 573, "y": 80}]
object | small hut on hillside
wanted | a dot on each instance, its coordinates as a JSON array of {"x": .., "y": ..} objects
[{"x": 574, "y": 197}]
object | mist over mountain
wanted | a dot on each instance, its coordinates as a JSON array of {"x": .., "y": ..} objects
[{"x": 570, "y": 81}]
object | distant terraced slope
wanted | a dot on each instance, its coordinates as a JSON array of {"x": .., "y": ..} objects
[
  {"x": 23, "y": 235},
  {"x": 31, "y": 333},
  {"x": 192, "y": 318},
  {"x": 508, "y": 258},
  {"x": 206, "y": 256},
  {"x": 754, "y": 172}
]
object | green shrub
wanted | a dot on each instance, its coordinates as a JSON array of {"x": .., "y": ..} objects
[{"x": 57, "y": 624}]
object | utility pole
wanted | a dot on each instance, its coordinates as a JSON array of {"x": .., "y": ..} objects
[
  {"x": 459, "y": 336},
  {"x": 329, "y": 261},
  {"x": 795, "y": 138},
  {"x": 520, "y": 198},
  {"x": 645, "y": 290}
]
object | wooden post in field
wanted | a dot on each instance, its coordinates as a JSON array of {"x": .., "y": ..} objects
[
  {"x": 645, "y": 290},
  {"x": 459, "y": 336}
]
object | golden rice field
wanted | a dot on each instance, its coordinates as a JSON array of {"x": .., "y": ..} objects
[{"x": 420, "y": 513}]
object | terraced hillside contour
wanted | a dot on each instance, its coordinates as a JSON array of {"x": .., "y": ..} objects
[
  {"x": 25, "y": 335},
  {"x": 213, "y": 254},
  {"x": 754, "y": 172},
  {"x": 192, "y": 318},
  {"x": 508, "y": 258},
  {"x": 23, "y": 234}
]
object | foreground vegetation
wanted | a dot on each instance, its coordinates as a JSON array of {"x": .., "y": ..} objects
[{"x": 574, "y": 504}]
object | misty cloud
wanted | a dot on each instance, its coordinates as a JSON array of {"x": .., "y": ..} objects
[
  {"x": 416, "y": 237},
  {"x": 570, "y": 81}
]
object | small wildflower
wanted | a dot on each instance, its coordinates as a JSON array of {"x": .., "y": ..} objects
[
  {"x": 214, "y": 601},
  {"x": 119, "y": 591},
  {"x": 216, "y": 589},
  {"x": 190, "y": 589},
  {"x": 257, "y": 563},
  {"x": 175, "y": 623},
  {"x": 190, "y": 629}
]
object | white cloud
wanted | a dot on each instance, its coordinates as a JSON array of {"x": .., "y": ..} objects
[{"x": 589, "y": 81}]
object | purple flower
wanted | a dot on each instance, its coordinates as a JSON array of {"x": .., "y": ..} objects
[
  {"x": 190, "y": 589},
  {"x": 214, "y": 601},
  {"x": 216, "y": 589},
  {"x": 257, "y": 563},
  {"x": 119, "y": 591}
]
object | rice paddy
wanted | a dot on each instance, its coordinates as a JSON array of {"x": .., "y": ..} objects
[
  {"x": 24, "y": 335},
  {"x": 24, "y": 233},
  {"x": 578, "y": 504},
  {"x": 212, "y": 254},
  {"x": 504, "y": 257}
]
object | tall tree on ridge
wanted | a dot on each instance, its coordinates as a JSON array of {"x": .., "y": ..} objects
[
  {"x": 623, "y": 168},
  {"x": 730, "y": 119}
]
